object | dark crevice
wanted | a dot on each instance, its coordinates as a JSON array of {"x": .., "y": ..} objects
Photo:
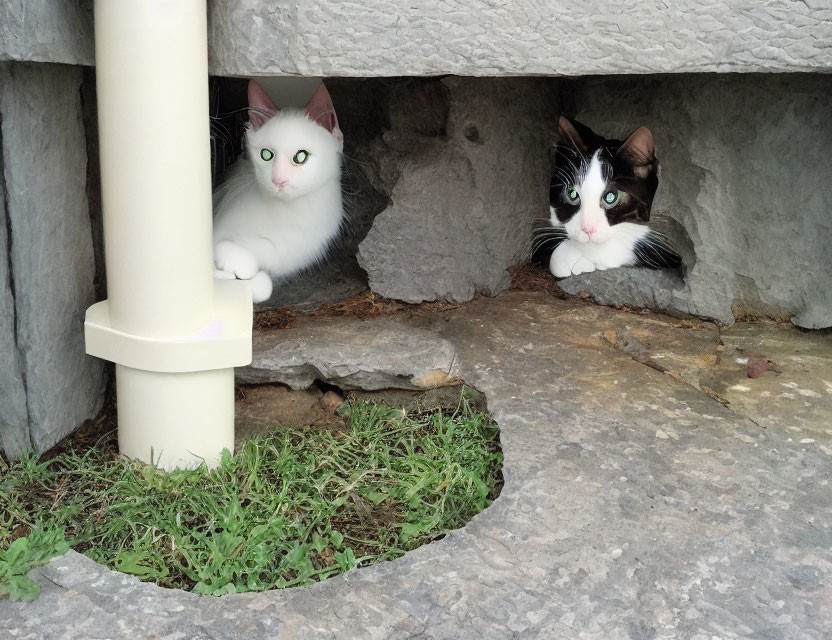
[{"x": 89, "y": 111}]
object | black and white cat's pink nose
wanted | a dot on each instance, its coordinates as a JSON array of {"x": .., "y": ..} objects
[{"x": 589, "y": 228}]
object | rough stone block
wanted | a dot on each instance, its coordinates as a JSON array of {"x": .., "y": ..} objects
[
  {"x": 465, "y": 162},
  {"x": 14, "y": 422},
  {"x": 47, "y": 31},
  {"x": 51, "y": 252},
  {"x": 558, "y": 37},
  {"x": 745, "y": 168},
  {"x": 353, "y": 354},
  {"x": 463, "y": 37}
]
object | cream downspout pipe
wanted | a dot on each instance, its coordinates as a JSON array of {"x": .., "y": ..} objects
[{"x": 174, "y": 333}]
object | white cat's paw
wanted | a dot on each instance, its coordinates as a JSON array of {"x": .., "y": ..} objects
[
  {"x": 232, "y": 258},
  {"x": 261, "y": 287},
  {"x": 223, "y": 275}
]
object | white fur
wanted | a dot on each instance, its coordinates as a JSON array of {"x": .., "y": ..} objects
[
  {"x": 591, "y": 242},
  {"x": 273, "y": 218}
]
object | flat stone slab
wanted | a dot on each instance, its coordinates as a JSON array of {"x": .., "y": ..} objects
[
  {"x": 634, "y": 506},
  {"x": 352, "y": 354},
  {"x": 464, "y": 37}
]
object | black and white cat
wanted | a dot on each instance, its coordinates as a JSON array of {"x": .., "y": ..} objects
[
  {"x": 600, "y": 197},
  {"x": 280, "y": 206}
]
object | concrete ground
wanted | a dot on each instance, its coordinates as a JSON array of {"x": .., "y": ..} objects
[{"x": 652, "y": 491}]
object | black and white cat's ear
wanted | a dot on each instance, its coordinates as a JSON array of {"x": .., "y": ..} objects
[
  {"x": 261, "y": 107},
  {"x": 639, "y": 150},
  {"x": 321, "y": 110},
  {"x": 569, "y": 134}
]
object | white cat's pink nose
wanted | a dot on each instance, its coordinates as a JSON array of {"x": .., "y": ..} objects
[
  {"x": 280, "y": 183},
  {"x": 588, "y": 229}
]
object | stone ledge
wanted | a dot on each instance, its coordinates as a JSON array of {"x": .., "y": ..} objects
[
  {"x": 374, "y": 354},
  {"x": 465, "y": 37}
]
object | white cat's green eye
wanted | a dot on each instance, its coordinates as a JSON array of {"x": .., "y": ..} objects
[
  {"x": 611, "y": 198},
  {"x": 300, "y": 157},
  {"x": 571, "y": 195},
  {"x": 266, "y": 154}
]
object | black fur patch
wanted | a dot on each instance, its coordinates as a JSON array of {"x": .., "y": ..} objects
[{"x": 653, "y": 252}]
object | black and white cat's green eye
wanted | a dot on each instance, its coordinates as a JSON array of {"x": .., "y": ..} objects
[
  {"x": 300, "y": 157},
  {"x": 610, "y": 198},
  {"x": 571, "y": 194},
  {"x": 266, "y": 154}
]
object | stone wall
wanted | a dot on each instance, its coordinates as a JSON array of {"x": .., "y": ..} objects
[
  {"x": 48, "y": 271},
  {"x": 464, "y": 37},
  {"x": 744, "y": 168}
]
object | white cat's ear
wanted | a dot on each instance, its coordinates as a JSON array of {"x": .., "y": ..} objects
[
  {"x": 261, "y": 107},
  {"x": 568, "y": 133},
  {"x": 640, "y": 151},
  {"x": 320, "y": 110}
]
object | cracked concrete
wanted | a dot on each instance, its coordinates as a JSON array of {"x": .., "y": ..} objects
[{"x": 635, "y": 505}]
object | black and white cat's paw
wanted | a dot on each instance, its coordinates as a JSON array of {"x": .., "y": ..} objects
[
  {"x": 233, "y": 261},
  {"x": 567, "y": 260}
]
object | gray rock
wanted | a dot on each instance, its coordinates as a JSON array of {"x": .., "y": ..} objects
[
  {"x": 466, "y": 166},
  {"x": 745, "y": 166},
  {"x": 51, "y": 261},
  {"x": 663, "y": 290},
  {"x": 372, "y": 354}
]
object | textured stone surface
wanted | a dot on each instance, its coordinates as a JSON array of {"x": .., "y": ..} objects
[
  {"x": 52, "y": 264},
  {"x": 47, "y": 31},
  {"x": 465, "y": 162},
  {"x": 634, "y": 507},
  {"x": 464, "y": 37},
  {"x": 745, "y": 166},
  {"x": 353, "y": 354},
  {"x": 476, "y": 37},
  {"x": 792, "y": 395},
  {"x": 14, "y": 422},
  {"x": 658, "y": 290}
]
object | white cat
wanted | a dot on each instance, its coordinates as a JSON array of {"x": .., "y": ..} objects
[{"x": 280, "y": 206}]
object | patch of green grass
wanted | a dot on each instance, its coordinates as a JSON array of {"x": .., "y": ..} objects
[{"x": 288, "y": 509}]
